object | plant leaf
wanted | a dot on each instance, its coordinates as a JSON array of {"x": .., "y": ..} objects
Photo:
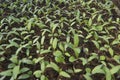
[
  {"x": 111, "y": 51},
  {"x": 107, "y": 73},
  {"x": 37, "y": 73},
  {"x": 16, "y": 71},
  {"x": 76, "y": 40},
  {"x": 64, "y": 74},
  {"x": 54, "y": 66},
  {"x": 55, "y": 43},
  {"x": 6, "y": 73},
  {"x": 72, "y": 59},
  {"x": 98, "y": 69},
  {"x": 24, "y": 76},
  {"x": 115, "y": 69}
]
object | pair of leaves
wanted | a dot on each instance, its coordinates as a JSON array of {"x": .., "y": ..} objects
[
  {"x": 59, "y": 56},
  {"x": 38, "y": 74},
  {"x": 101, "y": 69},
  {"x": 56, "y": 68},
  {"x": 12, "y": 72}
]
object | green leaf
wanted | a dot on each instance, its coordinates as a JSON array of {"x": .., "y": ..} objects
[
  {"x": 67, "y": 54},
  {"x": 118, "y": 36},
  {"x": 24, "y": 76},
  {"x": 78, "y": 15},
  {"x": 57, "y": 53},
  {"x": 12, "y": 33},
  {"x": 68, "y": 39},
  {"x": 84, "y": 61},
  {"x": 38, "y": 59},
  {"x": 54, "y": 44},
  {"x": 27, "y": 61},
  {"x": 117, "y": 58},
  {"x": 14, "y": 59},
  {"x": 43, "y": 66},
  {"x": 54, "y": 66},
  {"x": 44, "y": 51},
  {"x": 64, "y": 74},
  {"x": 111, "y": 51},
  {"x": 87, "y": 77},
  {"x": 104, "y": 63},
  {"x": 103, "y": 49},
  {"x": 96, "y": 44},
  {"x": 85, "y": 50},
  {"x": 93, "y": 56},
  {"x": 2, "y": 52},
  {"x": 2, "y": 59},
  {"x": 89, "y": 36},
  {"x": 6, "y": 73},
  {"x": 29, "y": 24},
  {"x": 12, "y": 43},
  {"x": 99, "y": 18},
  {"x": 102, "y": 58},
  {"x": 99, "y": 28},
  {"x": 107, "y": 73},
  {"x": 72, "y": 59},
  {"x": 88, "y": 70},
  {"x": 42, "y": 40},
  {"x": 36, "y": 39},
  {"x": 37, "y": 73},
  {"x": 98, "y": 69},
  {"x": 53, "y": 26},
  {"x": 58, "y": 56},
  {"x": 12, "y": 65},
  {"x": 61, "y": 46},
  {"x": 96, "y": 36},
  {"x": 77, "y": 51},
  {"x": 16, "y": 71},
  {"x": 27, "y": 37},
  {"x": 24, "y": 69},
  {"x": 116, "y": 41},
  {"x": 90, "y": 22},
  {"x": 59, "y": 59},
  {"x": 76, "y": 40},
  {"x": 43, "y": 77},
  {"x": 18, "y": 50},
  {"x": 77, "y": 70},
  {"x": 38, "y": 45},
  {"x": 41, "y": 25},
  {"x": 27, "y": 51},
  {"x": 115, "y": 69}
]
